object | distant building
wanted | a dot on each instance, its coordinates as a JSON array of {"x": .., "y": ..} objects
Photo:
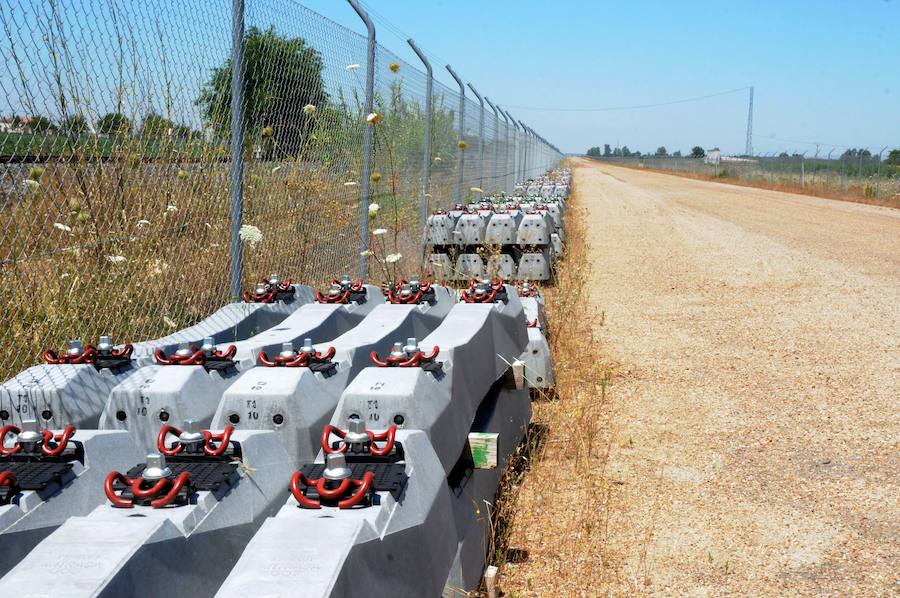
[
  {"x": 15, "y": 124},
  {"x": 713, "y": 156}
]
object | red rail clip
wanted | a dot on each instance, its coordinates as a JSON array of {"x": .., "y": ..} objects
[
  {"x": 196, "y": 357},
  {"x": 167, "y": 487},
  {"x": 60, "y": 441},
  {"x": 300, "y": 360},
  {"x": 214, "y": 444},
  {"x": 408, "y": 293},
  {"x": 340, "y": 291},
  {"x": 484, "y": 292},
  {"x": 362, "y": 489},
  {"x": 403, "y": 359},
  {"x": 387, "y": 437}
]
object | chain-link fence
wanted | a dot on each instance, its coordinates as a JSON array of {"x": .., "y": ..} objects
[
  {"x": 119, "y": 180},
  {"x": 859, "y": 174}
]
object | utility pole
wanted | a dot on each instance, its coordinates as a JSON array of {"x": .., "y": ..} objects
[{"x": 749, "y": 149}]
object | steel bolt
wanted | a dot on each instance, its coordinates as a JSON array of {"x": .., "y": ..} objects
[
  {"x": 356, "y": 433},
  {"x": 191, "y": 434},
  {"x": 156, "y": 467},
  {"x": 75, "y": 347},
  {"x": 105, "y": 345},
  {"x": 30, "y": 433},
  {"x": 336, "y": 467}
]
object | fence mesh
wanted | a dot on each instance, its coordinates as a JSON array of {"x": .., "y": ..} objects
[{"x": 115, "y": 170}]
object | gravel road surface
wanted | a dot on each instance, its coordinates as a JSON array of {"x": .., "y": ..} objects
[{"x": 756, "y": 417}]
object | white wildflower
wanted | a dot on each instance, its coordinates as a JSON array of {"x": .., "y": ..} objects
[
  {"x": 352, "y": 67},
  {"x": 116, "y": 259},
  {"x": 367, "y": 252},
  {"x": 379, "y": 231},
  {"x": 31, "y": 184},
  {"x": 374, "y": 118},
  {"x": 142, "y": 223},
  {"x": 62, "y": 227},
  {"x": 170, "y": 322},
  {"x": 373, "y": 209},
  {"x": 171, "y": 208},
  {"x": 309, "y": 109},
  {"x": 250, "y": 234},
  {"x": 350, "y": 184},
  {"x": 392, "y": 258}
]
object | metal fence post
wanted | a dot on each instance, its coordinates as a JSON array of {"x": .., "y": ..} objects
[
  {"x": 802, "y": 168},
  {"x": 237, "y": 145},
  {"x": 480, "y": 140},
  {"x": 496, "y": 139},
  {"x": 426, "y": 159},
  {"x": 843, "y": 160},
  {"x": 525, "y": 141},
  {"x": 506, "y": 158},
  {"x": 878, "y": 172},
  {"x": 515, "y": 172},
  {"x": 460, "y": 152},
  {"x": 368, "y": 138}
]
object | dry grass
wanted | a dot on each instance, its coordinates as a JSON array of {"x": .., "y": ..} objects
[
  {"x": 855, "y": 192},
  {"x": 551, "y": 521}
]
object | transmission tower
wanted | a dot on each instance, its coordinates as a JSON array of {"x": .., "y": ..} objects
[{"x": 749, "y": 149}]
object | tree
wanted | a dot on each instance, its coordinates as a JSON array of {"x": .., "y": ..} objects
[
  {"x": 282, "y": 75},
  {"x": 74, "y": 125},
  {"x": 40, "y": 124},
  {"x": 156, "y": 125},
  {"x": 114, "y": 123},
  {"x": 893, "y": 157},
  {"x": 606, "y": 150},
  {"x": 698, "y": 152},
  {"x": 661, "y": 151},
  {"x": 594, "y": 152},
  {"x": 625, "y": 151},
  {"x": 677, "y": 154}
]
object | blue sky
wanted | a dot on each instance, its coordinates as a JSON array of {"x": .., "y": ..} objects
[{"x": 823, "y": 71}]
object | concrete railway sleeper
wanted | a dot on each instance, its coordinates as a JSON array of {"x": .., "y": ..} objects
[{"x": 335, "y": 447}]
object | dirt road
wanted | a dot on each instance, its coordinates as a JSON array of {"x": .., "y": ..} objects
[{"x": 756, "y": 420}]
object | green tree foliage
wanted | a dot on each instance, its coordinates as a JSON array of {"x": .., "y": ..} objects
[
  {"x": 625, "y": 151},
  {"x": 893, "y": 157},
  {"x": 677, "y": 154},
  {"x": 698, "y": 152},
  {"x": 155, "y": 126},
  {"x": 606, "y": 150},
  {"x": 40, "y": 124},
  {"x": 661, "y": 151},
  {"x": 114, "y": 123},
  {"x": 282, "y": 75},
  {"x": 74, "y": 125},
  {"x": 856, "y": 153},
  {"x": 594, "y": 152}
]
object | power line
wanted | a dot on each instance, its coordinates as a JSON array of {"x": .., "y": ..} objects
[
  {"x": 396, "y": 31},
  {"x": 635, "y": 107}
]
